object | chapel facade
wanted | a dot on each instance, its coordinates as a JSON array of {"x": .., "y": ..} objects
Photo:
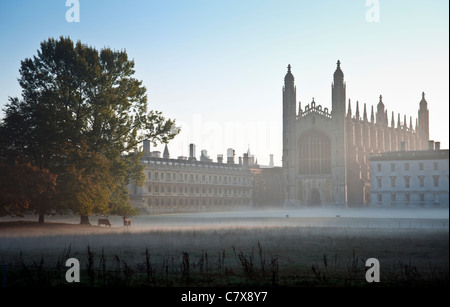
[{"x": 326, "y": 152}]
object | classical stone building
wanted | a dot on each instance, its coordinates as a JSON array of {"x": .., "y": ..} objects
[
  {"x": 326, "y": 151},
  {"x": 411, "y": 178},
  {"x": 187, "y": 185}
]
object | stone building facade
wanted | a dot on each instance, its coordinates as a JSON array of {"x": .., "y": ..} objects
[
  {"x": 267, "y": 186},
  {"x": 326, "y": 152},
  {"x": 411, "y": 178},
  {"x": 188, "y": 185}
]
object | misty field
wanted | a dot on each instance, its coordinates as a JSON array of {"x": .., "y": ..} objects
[{"x": 304, "y": 247}]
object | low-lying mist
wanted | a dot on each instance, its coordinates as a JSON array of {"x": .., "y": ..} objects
[{"x": 293, "y": 239}]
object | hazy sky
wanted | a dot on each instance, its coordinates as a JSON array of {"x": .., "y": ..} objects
[{"x": 217, "y": 67}]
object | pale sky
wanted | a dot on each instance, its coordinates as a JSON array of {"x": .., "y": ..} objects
[{"x": 217, "y": 67}]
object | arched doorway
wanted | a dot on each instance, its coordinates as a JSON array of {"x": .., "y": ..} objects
[{"x": 314, "y": 199}]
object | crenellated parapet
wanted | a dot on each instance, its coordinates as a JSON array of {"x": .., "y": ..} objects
[{"x": 312, "y": 108}]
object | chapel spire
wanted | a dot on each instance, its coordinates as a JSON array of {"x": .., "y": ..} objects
[
  {"x": 357, "y": 111},
  {"x": 365, "y": 113},
  {"x": 338, "y": 92}
]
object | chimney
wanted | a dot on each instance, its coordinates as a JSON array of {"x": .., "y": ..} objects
[
  {"x": 271, "y": 160},
  {"x": 191, "y": 151},
  {"x": 146, "y": 144},
  {"x": 403, "y": 146},
  {"x": 240, "y": 160},
  {"x": 437, "y": 145},
  {"x": 431, "y": 145},
  {"x": 230, "y": 156},
  {"x": 246, "y": 159},
  {"x": 219, "y": 158}
]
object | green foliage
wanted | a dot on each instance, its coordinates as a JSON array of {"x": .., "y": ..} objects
[
  {"x": 24, "y": 187},
  {"x": 82, "y": 116}
]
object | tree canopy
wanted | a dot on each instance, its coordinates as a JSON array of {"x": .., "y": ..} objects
[{"x": 81, "y": 117}]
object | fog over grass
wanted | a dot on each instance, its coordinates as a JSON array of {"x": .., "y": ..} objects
[{"x": 295, "y": 238}]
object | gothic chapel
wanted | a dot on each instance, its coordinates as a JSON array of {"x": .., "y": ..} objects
[{"x": 326, "y": 152}]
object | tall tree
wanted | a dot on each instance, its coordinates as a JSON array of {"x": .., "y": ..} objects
[
  {"x": 24, "y": 187},
  {"x": 82, "y": 116}
]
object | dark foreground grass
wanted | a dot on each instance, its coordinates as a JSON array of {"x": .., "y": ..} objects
[
  {"x": 252, "y": 269},
  {"x": 286, "y": 253}
]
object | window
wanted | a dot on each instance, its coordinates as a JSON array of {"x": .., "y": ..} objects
[
  {"x": 406, "y": 181},
  {"x": 420, "y": 166},
  {"x": 380, "y": 197},
  {"x": 149, "y": 187},
  {"x": 379, "y": 182},
  {"x": 392, "y": 167},
  {"x": 393, "y": 178},
  {"x": 436, "y": 166},
  {"x": 393, "y": 197},
  {"x": 157, "y": 188},
  {"x": 407, "y": 197},
  {"x": 422, "y": 197},
  {"x": 379, "y": 167},
  {"x": 406, "y": 166},
  {"x": 436, "y": 181},
  {"x": 156, "y": 175},
  {"x": 314, "y": 153},
  {"x": 422, "y": 181}
]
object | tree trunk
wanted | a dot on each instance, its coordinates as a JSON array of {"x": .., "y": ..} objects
[
  {"x": 84, "y": 220},
  {"x": 41, "y": 218}
]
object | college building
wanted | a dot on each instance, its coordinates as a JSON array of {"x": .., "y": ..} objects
[
  {"x": 326, "y": 152},
  {"x": 186, "y": 184},
  {"x": 411, "y": 178}
]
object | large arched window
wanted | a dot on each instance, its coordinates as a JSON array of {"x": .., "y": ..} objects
[{"x": 314, "y": 153}]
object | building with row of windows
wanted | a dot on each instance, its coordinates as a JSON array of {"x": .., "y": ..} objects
[
  {"x": 410, "y": 178},
  {"x": 330, "y": 157},
  {"x": 188, "y": 184}
]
